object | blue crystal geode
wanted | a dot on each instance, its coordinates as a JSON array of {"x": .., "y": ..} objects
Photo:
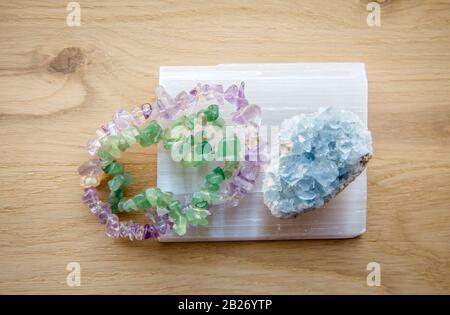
[{"x": 320, "y": 154}]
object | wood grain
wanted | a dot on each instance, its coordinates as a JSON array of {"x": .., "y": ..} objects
[{"x": 49, "y": 106}]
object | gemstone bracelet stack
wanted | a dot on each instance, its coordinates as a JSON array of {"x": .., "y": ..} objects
[{"x": 141, "y": 125}]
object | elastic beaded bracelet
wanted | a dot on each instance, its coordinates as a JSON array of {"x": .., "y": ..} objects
[
  {"x": 124, "y": 132},
  {"x": 151, "y": 134},
  {"x": 110, "y": 149}
]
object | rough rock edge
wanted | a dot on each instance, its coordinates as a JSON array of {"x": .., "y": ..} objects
[{"x": 362, "y": 166}]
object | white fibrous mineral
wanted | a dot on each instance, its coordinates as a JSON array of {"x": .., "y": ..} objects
[{"x": 319, "y": 155}]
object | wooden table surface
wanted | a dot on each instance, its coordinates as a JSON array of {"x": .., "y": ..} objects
[{"x": 59, "y": 83}]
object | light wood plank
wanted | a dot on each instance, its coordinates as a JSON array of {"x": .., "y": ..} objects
[{"x": 47, "y": 115}]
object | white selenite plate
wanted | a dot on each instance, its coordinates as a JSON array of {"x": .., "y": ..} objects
[{"x": 282, "y": 91}]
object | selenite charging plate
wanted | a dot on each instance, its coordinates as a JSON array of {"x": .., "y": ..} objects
[{"x": 282, "y": 91}]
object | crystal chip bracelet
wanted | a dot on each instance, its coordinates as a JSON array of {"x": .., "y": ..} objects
[
  {"x": 110, "y": 149},
  {"x": 125, "y": 131},
  {"x": 153, "y": 198}
]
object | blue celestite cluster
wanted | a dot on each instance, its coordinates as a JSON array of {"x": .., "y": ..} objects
[{"x": 320, "y": 154}]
